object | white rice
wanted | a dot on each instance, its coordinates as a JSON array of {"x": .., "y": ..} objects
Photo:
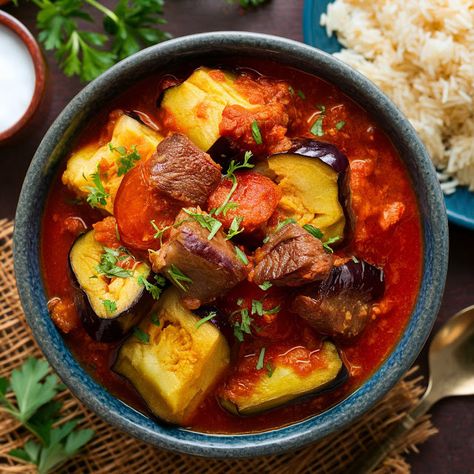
[{"x": 421, "y": 53}]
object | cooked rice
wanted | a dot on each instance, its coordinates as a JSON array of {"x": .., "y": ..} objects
[{"x": 421, "y": 53}]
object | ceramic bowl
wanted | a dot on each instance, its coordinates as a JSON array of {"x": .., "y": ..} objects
[
  {"x": 56, "y": 145},
  {"x": 34, "y": 50}
]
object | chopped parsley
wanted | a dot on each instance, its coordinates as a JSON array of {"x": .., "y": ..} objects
[
  {"x": 241, "y": 255},
  {"x": 235, "y": 228},
  {"x": 97, "y": 195},
  {"x": 141, "y": 335},
  {"x": 108, "y": 264},
  {"x": 257, "y": 136},
  {"x": 126, "y": 160},
  {"x": 265, "y": 285},
  {"x": 270, "y": 369},
  {"x": 159, "y": 232},
  {"x": 301, "y": 94},
  {"x": 317, "y": 128},
  {"x": 206, "y": 221},
  {"x": 154, "y": 290},
  {"x": 154, "y": 319},
  {"x": 355, "y": 259},
  {"x": 110, "y": 306},
  {"x": 179, "y": 278},
  {"x": 257, "y": 307},
  {"x": 330, "y": 241},
  {"x": 274, "y": 310},
  {"x": 322, "y": 108},
  {"x": 340, "y": 124},
  {"x": 243, "y": 327},
  {"x": 283, "y": 223},
  {"x": 314, "y": 231},
  {"x": 261, "y": 357},
  {"x": 211, "y": 315},
  {"x": 291, "y": 90}
]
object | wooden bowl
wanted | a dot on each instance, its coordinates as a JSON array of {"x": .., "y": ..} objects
[{"x": 40, "y": 71}]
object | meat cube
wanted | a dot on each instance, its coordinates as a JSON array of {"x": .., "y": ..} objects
[
  {"x": 180, "y": 170},
  {"x": 202, "y": 269},
  {"x": 291, "y": 257}
]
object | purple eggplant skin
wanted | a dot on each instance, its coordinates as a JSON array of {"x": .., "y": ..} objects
[
  {"x": 220, "y": 320},
  {"x": 326, "y": 152},
  {"x": 355, "y": 276},
  {"x": 224, "y": 150}
]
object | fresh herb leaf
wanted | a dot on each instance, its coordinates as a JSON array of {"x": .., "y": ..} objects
[
  {"x": 314, "y": 231},
  {"x": 235, "y": 228},
  {"x": 154, "y": 290},
  {"x": 244, "y": 326},
  {"x": 301, "y": 94},
  {"x": 265, "y": 285},
  {"x": 355, "y": 259},
  {"x": 126, "y": 160},
  {"x": 211, "y": 315},
  {"x": 249, "y": 3},
  {"x": 179, "y": 278},
  {"x": 240, "y": 301},
  {"x": 206, "y": 221},
  {"x": 261, "y": 357},
  {"x": 110, "y": 306},
  {"x": 266, "y": 239},
  {"x": 256, "y": 134},
  {"x": 159, "y": 232},
  {"x": 270, "y": 369},
  {"x": 141, "y": 335},
  {"x": 340, "y": 125},
  {"x": 274, "y": 310},
  {"x": 108, "y": 264},
  {"x": 257, "y": 307},
  {"x": 241, "y": 255},
  {"x": 285, "y": 222},
  {"x": 97, "y": 195},
  {"x": 330, "y": 241},
  {"x": 154, "y": 319},
  {"x": 322, "y": 108},
  {"x": 317, "y": 128}
]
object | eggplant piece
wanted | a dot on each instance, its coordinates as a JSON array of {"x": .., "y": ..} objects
[
  {"x": 195, "y": 106},
  {"x": 129, "y": 297},
  {"x": 285, "y": 384},
  {"x": 83, "y": 163},
  {"x": 177, "y": 363},
  {"x": 330, "y": 154},
  {"x": 341, "y": 305}
]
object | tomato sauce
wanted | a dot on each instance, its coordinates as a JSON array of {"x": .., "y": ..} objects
[{"x": 387, "y": 233}]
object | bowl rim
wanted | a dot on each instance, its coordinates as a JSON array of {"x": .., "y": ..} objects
[
  {"x": 39, "y": 65},
  {"x": 116, "y": 412}
]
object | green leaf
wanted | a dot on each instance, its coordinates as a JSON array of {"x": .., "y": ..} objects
[
  {"x": 330, "y": 241},
  {"x": 141, "y": 335},
  {"x": 234, "y": 228},
  {"x": 126, "y": 160},
  {"x": 179, "y": 278},
  {"x": 340, "y": 125},
  {"x": 301, "y": 94},
  {"x": 256, "y": 134},
  {"x": 317, "y": 128},
  {"x": 241, "y": 255},
  {"x": 110, "y": 306},
  {"x": 77, "y": 439},
  {"x": 42, "y": 421},
  {"x": 97, "y": 194},
  {"x": 154, "y": 290},
  {"x": 108, "y": 264},
  {"x": 21, "y": 454},
  {"x": 260, "y": 359},
  {"x": 314, "y": 231},
  {"x": 285, "y": 222},
  {"x": 265, "y": 285},
  {"x": 211, "y": 315},
  {"x": 4, "y": 384}
]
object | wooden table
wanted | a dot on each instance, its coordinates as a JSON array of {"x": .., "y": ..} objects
[{"x": 451, "y": 451}]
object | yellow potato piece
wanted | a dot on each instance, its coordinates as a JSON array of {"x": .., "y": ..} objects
[
  {"x": 175, "y": 370},
  {"x": 83, "y": 163}
]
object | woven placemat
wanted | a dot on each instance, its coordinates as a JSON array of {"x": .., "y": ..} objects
[{"x": 113, "y": 451}]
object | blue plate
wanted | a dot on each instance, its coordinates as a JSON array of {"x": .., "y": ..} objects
[{"x": 460, "y": 205}]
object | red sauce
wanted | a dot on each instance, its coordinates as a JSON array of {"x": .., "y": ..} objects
[{"x": 387, "y": 233}]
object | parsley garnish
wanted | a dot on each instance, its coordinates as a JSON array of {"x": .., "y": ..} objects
[
  {"x": 233, "y": 167},
  {"x": 241, "y": 255},
  {"x": 257, "y": 136},
  {"x": 266, "y": 239},
  {"x": 330, "y": 241},
  {"x": 110, "y": 306},
  {"x": 322, "y": 108},
  {"x": 285, "y": 222},
  {"x": 314, "y": 231},
  {"x": 141, "y": 335},
  {"x": 265, "y": 285},
  {"x": 35, "y": 408},
  {"x": 317, "y": 128},
  {"x": 259, "y": 365},
  {"x": 159, "y": 232},
  {"x": 340, "y": 124},
  {"x": 257, "y": 307},
  {"x": 108, "y": 264},
  {"x": 234, "y": 228},
  {"x": 126, "y": 160},
  {"x": 270, "y": 369},
  {"x": 291, "y": 90},
  {"x": 211, "y": 315},
  {"x": 274, "y": 310},
  {"x": 355, "y": 259},
  {"x": 178, "y": 277},
  {"x": 97, "y": 194},
  {"x": 154, "y": 290},
  {"x": 244, "y": 326},
  {"x": 206, "y": 221},
  {"x": 154, "y": 319},
  {"x": 301, "y": 94}
]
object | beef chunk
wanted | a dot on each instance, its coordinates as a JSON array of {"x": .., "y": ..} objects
[
  {"x": 180, "y": 170},
  {"x": 210, "y": 266},
  {"x": 340, "y": 306},
  {"x": 291, "y": 257}
]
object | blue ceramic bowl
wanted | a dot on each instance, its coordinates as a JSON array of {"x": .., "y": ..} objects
[{"x": 56, "y": 145}]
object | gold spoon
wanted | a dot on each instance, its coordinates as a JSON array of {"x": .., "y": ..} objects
[{"x": 451, "y": 360}]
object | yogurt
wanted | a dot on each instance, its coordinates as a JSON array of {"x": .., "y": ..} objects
[{"x": 17, "y": 78}]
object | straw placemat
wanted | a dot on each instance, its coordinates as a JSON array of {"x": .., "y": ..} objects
[{"x": 113, "y": 451}]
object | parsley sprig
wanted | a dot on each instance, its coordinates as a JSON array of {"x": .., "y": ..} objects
[
  {"x": 179, "y": 278},
  {"x": 35, "y": 408},
  {"x": 126, "y": 160},
  {"x": 206, "y": 221},
  {"x": 154, "y": 290},
  {"x": 129, "y": 27},
  {"x": 108, "y": 264},
  {"x": 315, "y": 232},
  {"x": 97, "y": 194}
]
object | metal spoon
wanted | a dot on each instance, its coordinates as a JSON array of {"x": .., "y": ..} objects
[{"x": 451, "y": 360}]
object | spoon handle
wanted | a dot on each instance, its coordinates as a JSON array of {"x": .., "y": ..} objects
[{"x": 371, "y": 459}]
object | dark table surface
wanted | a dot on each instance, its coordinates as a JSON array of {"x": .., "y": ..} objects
[{"x": 452, "y": 450}]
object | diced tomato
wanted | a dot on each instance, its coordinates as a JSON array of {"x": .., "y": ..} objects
[
  {"x": 106, "y": 232},
  {"x": 137, "y": 204},
  {"x": 256, "y": 195},
  {"x": 64, "y": 314}
]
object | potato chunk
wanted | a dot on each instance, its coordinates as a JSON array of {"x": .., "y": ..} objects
[
  {"x": 174, "y": 371},
  {"x": 84, "y": 162}
]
